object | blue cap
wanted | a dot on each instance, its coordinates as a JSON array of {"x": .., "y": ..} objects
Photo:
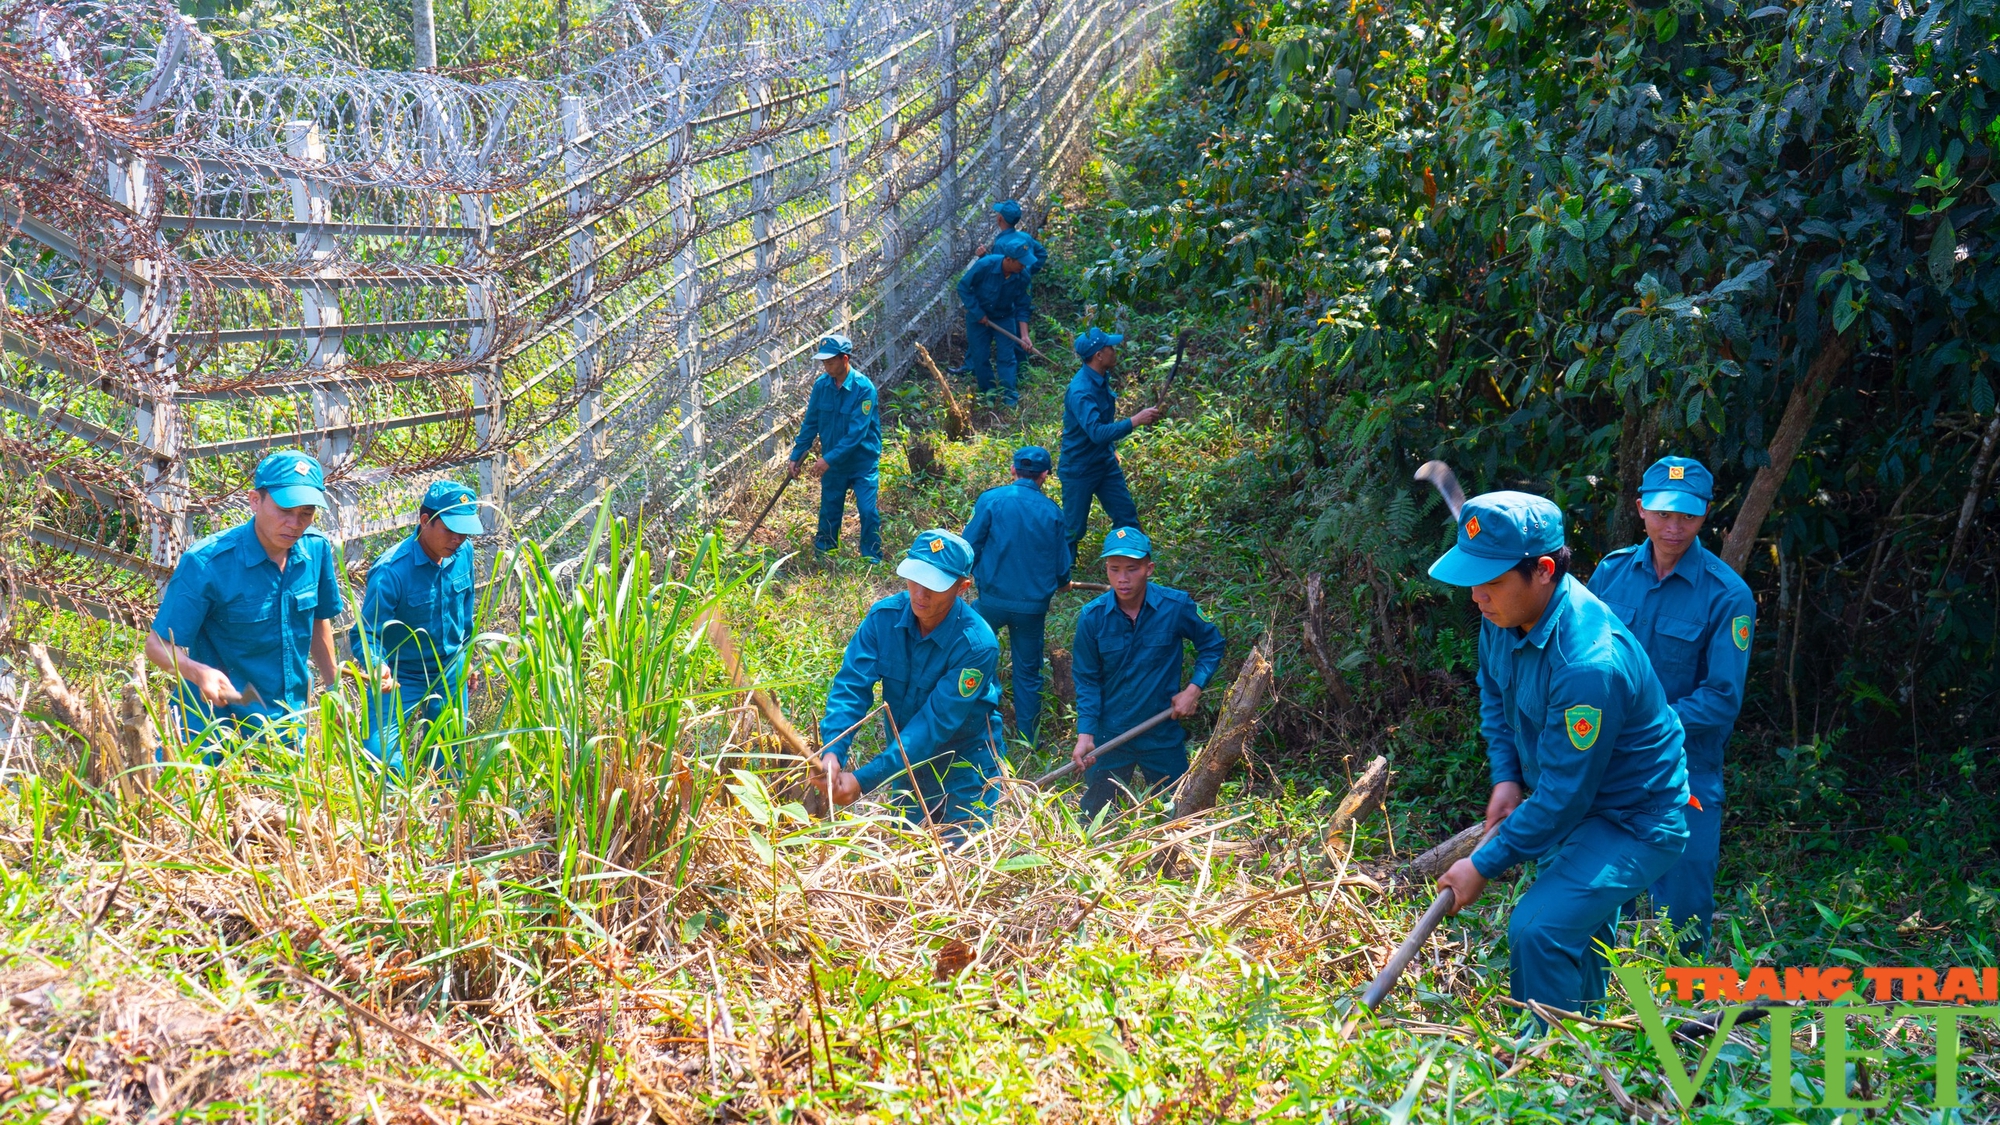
[
  {"x": 1031, "y": 459},
  {"x": 937, "y": 560},
  {"x": 292, "y": 479},
  {"x": 1008, "y": 209},
  {"x": 1015, "y": 246},
  {"x": 1677, "y": 484},
  {"x": 1095, "y": 340},
  {"x": 457, "y": 507},
  {"x": 1496, "y": 531},
  {"x": 832, "y": 345},
  {"x": 1126, "y": 543}
]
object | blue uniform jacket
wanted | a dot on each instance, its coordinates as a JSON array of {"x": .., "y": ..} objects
[
  {"x": 845, "y": 419},
  {"x": 1020, "y": 558},
  {"x": 416, "y": 615},
  {"x": 231, "y": 607},
  {"x": 1091, "y": 428},
  {"x": 1696, "y": 625},
  {"x": 1041, "y": 253},
  {"x": 1572, "y": 710},
  {"x": 1127, "y": 671},
  {"x": 941, "y": 690},
  {"x": 986, "y": 291}
]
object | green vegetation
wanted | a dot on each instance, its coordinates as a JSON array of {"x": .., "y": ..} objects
[{"x": 615, "y": 908}]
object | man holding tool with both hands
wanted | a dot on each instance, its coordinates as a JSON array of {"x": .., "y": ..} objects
[
  {"x": 842, "y": 415},
  {"x": 1588, "y": 767},
  {"x": 1127, "y": 666},
  {"x": 936, "y": 660}
]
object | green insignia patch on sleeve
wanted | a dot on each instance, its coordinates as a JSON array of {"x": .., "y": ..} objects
[
  {"x": 1582, "y": 723},
  {"x": 969, "y": 681},
  {"x": 867, "y": 405},
  {"x": 1739, "y": 630},
  {"x": 1202, "y": 612}
]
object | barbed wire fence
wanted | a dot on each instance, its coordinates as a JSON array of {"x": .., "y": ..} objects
[{"x": 600, "y": 283}]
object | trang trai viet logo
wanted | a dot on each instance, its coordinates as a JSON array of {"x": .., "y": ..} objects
[{"x": 1835, "y": 1004}]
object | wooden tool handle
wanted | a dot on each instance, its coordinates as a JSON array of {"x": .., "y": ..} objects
[
  {"x": 1069, "y": 767},
  {"x": 1400, "y": 960}
]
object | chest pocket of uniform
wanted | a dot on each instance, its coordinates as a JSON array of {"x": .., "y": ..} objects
[
  {"x": 1677, "y": 648},
  {"x": 418, "y": 596},
  {"x": 305, "y": 601},
  {"x": 1626, "y": 613},
  {"x": 249, "y": 625}
]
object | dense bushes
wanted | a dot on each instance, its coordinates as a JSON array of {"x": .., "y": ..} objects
[{"x": 1550, "y": 242}]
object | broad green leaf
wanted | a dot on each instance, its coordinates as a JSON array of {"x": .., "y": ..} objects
[{"x": 1943, "y": 256}]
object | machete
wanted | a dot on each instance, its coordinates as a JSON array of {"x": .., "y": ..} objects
[
  {"x": 759, "y": 521},
  {"x": 1180, "y": 349}
]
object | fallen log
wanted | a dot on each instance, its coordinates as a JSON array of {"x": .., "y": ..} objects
[
  {"x": 1438, "y": 860},
  {"x": 1370, "y": 790},
  {"x": 1233, "y": 732}
]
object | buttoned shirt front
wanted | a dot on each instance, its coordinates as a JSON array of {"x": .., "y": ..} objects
[
  {"x": 846, "y": 418},
  {"x": 1092, "y": 428},
  {"x": 940, "y": 688},
  {"x": 1019, "y": 556},
  {"x": 1571, "y": 709},
  {"x": 231, "y": 607},
  {"x": 1696, "y": 626},
  {"x": 1127, "y": 669},
  {"x": 416, "y": 613}
]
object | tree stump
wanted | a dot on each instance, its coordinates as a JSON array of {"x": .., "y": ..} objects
[{"x": 1233, "y": 732}]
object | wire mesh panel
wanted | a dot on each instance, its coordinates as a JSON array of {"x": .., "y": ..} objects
[{"x": 605, "y": 282}]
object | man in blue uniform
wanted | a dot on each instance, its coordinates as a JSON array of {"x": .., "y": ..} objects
[
  {"x": 1694, "y": 616},
  {"x": 415, "y": 619},
  {"x": 1007, "y": 217},
  {"x": 994, "y": 292},
  {"x": 936, "y": 661},
  {"x": 1019, "y": 564},
  {"x": 1091, "y": 433},
  {"x": 248, "y": 608},
  {"x": 1573, "y": 714},
  {"x": 842, "y": 415},
  {"x": 1127, "y": 661}
]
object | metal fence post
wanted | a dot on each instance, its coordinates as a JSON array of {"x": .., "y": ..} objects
[
  {"x": 489, "y": 390},
  {"x": 892, "y": 212},
  {"x": 163, "y": 475},
  {"x": 996, "y": 122},
  {"x": 837, "y": 187},
  {"x": 583, "y": 283},
  {"x": 319, "y": 307},
  {"x": 947, "y": 43},
  {"x": 770, "y": 381},
  {"x": 687, "y": 337}
]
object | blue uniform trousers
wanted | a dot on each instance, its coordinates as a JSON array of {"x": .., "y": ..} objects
[
  {"x": 1158, "y": 770},
  {"x": 1555, "y": 929},
  {"x": 833, "y": 490},
  {"x": 985, "y": 349},
  {"x": 392, "y": 712},
  {"x": 1110, "y": 491},
  {"x": 1025, "y": 633},
  {"x": 1687, "y": 891},
  {"x": 955, "y": 789}
]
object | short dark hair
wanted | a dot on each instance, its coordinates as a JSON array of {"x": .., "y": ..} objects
[
  {"x": 425, "y": 515},
  {"x": 1526, "y": 567}
]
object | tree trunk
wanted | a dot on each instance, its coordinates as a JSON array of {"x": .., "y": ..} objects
[
  {"x": 1370, "y": 790},
  {"x": 1807, "y": 395},
  {"x": 1968, "y": 509},
  {"x": 1637, "y": 437},
  {"x": 1315, "y": 634},
  {"x": 1233, "y": 732}
]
